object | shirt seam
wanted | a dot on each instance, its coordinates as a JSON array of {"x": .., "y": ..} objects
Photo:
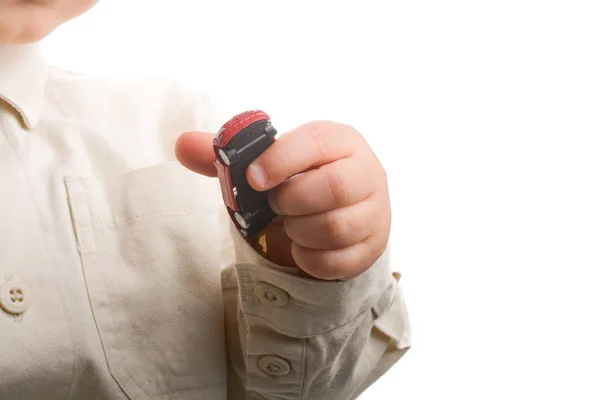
[
  {"x": 304, "y": 369},
  {"x": 21, "y": 112},
  {"x": 304, "y": 335},
  {"x": 107, "y": 348},
  {"x": 317, "y": 332}
]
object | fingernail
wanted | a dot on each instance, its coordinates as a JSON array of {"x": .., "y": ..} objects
[{"x": 258, "y": 174}]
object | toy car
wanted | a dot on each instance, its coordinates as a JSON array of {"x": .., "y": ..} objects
[{"x": 239, "y": 142}]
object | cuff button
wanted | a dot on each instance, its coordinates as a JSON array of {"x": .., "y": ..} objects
[
  {"x": 271, "y": 295},
  {"x": 274, "y": 365}
]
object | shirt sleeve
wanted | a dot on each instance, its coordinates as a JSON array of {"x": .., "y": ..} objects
[
  {"x": 288, "y": 336},
  {"x": 291, "y": 337}
]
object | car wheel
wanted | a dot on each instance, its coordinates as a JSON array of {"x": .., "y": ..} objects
[
  {"x": 227, "y": 156},
  {"x": 270, "y": 131},
  {"x": 242, "y": 219}
]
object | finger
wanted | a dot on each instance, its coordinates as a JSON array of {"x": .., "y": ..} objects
[
  {"x": 336, "y": 185},
  {"x": 194, "y": 150},
  {"x": 279, "y": 247},
  {"x": 336, "y": 229},
  {"x": 339, "y": 264},
  {"x": 310, "y": 145}
]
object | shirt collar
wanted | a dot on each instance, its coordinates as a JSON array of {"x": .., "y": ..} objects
[{"x": 23, "y": 78}]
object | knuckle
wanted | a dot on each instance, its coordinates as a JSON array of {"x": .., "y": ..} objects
[
  {"x": 277, "y": 160},
  {"x": 335, "y": 225},
  {"x": 290, "y": 229},
  {"x": 379, "y": 247},
  {"x": 317, "y": 134},
  {"x": 289, "y": 197},
  {"x": 351, "y": 131},
  {"x": 330, "y": 265},
  {"x": 351, "y": 134},
  {"x": 384, "y": 176},
  {"x": 283, "y": 162},
  {"x": 339, "y": 186},
  {"x": 324, "y": 264},
  {"x": 377, "y": 243},
  {"x": 379, "y": 168}
]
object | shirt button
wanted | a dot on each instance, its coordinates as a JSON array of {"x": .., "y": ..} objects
[
  {"x": 272, "y": 295},
  {"x": 15, "y": 296},
  {"x": 274, "y": 365}
]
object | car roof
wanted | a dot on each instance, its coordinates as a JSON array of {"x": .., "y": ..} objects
[{"x": 238, "y": 123}]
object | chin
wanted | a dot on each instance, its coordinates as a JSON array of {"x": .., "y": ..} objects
[
  {"x": 32, "y": 23},
  {"x": 27, "y": 27},
  {"x": 23, "y": 36}
]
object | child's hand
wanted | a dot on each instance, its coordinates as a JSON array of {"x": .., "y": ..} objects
[{"x": 329, "y": 189}]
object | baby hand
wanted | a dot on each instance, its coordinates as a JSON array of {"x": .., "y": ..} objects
[{"x": 329, "y": 189}]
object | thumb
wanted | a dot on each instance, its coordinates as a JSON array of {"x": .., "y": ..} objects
[{"x": 194, "y": 150}]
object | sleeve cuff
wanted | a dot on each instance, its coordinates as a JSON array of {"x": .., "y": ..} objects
[{"x": 301, "y": 307}]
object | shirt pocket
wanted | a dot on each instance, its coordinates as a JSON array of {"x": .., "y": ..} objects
[{"x": 149, "y": 246}]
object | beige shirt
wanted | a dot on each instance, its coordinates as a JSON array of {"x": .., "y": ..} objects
[{"x": 122, "y": 277}]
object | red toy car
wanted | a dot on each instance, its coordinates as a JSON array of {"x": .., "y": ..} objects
[{"x": 239, "y": 142}]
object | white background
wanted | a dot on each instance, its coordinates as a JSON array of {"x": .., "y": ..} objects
[{"x": 486, "y": 115}]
